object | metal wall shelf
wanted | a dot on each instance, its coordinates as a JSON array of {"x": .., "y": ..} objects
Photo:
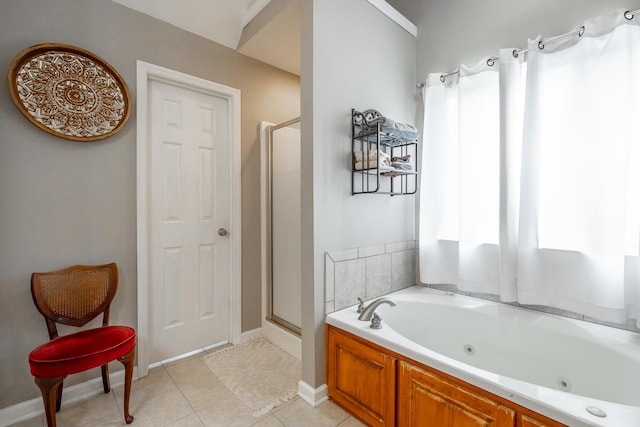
[{"x": 368, "y": 139}]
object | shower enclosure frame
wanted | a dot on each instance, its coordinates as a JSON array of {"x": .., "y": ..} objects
[{"x": 269, "y": 315}]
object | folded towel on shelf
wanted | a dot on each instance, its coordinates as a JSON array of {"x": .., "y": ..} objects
[
  {"x": 371, "y": 164},
  {"x": 402, "y": 166},
  {"x": 396, "y": 133},
  {"x": 363, "y": 156},
  {"x": 401, "y": 158},
  {"x": 393, "y": 137},
  {"x": 393, "y": 132},
  {"x": 391, "y": 125}
]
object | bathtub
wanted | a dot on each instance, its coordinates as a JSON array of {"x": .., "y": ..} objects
[{"x": 569, "y": 370}]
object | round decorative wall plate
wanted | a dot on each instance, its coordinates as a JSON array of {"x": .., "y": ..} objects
[{"x": 69, "y": 92}]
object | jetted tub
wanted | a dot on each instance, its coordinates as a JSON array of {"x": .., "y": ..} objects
[{"x": 576, "y": 372}]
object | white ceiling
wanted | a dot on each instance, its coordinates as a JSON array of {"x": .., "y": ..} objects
[{"x": 277, "y": 42}]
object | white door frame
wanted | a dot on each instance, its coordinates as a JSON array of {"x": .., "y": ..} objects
[{"x": 145, "y": 74}]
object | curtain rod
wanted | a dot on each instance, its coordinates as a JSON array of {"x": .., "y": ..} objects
[{"x": 580, "y": 31}]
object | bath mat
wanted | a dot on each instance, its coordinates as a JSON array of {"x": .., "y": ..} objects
[{"x": 259, "y": 373}]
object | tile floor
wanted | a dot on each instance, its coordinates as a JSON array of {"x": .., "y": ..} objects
[{"x": 186, "y": 393}]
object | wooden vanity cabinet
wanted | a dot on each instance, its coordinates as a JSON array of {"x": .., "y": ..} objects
[
  {"x": 526, "y": 421},
  {"x": 424, "y": 396},
  {"x": 383, "y": 388},
  {"x": 361, "y": 379}
]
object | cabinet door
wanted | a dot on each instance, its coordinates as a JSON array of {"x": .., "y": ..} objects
[
  {"x": 361, "y": 379},
  {"x": 425, "y": 399},
  {"x": 526, "y": 421}
]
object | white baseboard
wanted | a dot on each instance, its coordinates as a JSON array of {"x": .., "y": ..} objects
[
  {"x": 284, "y": 339},
  {"x": 34, "y": 407},
  {"x": 313, "y": 396},
  {"x": 182, "y": 356},
  {"x": 257, "y": 332}
]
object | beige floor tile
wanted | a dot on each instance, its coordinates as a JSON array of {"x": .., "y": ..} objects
[
  {"x": 157, "y": 377},
  {"x": 31, "y": 422},
  {"x": 110, "y": 421},
  {"x": 156, "y": 399},
  {"x": 269, "y": 421},
  {"x": 300, "y": 414},
  {"x": 196, "y": 381},
  {"x": 189, "y": 421},
  {"x": 227, "y": 411},
  {"x": 185, "y": 393},
  {"x": 352, "y": 422},
  {"x": 87, "y": 411},
  {"x": 196, "y": 356}
]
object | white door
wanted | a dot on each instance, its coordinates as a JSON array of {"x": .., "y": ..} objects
[{"x": 189, "y": 217}]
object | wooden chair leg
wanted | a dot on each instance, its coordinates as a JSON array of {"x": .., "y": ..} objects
[
  {"x": 59, "y": 396},
  {"x": 105, "y": 378},
  {"x": 49, "y": 389},
  {"x": 127, "y": 361}
]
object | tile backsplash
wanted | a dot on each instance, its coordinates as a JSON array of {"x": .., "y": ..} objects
[{"x": 368, "y": 272}]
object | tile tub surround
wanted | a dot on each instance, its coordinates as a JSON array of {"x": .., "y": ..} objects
[
  {"x": 372, "y": 271},
  {"x": 368, "y": 272},
  {"x": 630, "y": 325}
]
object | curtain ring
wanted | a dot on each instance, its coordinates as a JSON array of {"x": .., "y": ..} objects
[
  {"x": 581, "y": 32},
  {"x": 491, "y": 62},
  {"x": 442, "y": 78},
  {"x": 628, "y": 15},
  {"x": 515, "y": 53},
  {"x": 540, "y": 45}
]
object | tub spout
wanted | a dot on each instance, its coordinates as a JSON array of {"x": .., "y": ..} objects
[{"x": 367, "y": 313}]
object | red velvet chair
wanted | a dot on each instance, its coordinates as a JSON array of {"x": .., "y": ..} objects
[{"x": 74, "y": 296}]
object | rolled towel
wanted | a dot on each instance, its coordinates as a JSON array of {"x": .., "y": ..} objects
[
  {"x": 365, "y": 165},
  {"x": 360, "y": 156},
  {"x": 363, "y": 156},
  {"x": 371, "y": 164},
  {"x": 404, "y": 158},
  {"x": 402, "y": 166}
]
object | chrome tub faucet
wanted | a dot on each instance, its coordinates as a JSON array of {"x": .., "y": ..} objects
[{"x": 369, "y": 310}]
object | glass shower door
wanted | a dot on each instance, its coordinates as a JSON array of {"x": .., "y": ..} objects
[{"x": 285, "y": 295}]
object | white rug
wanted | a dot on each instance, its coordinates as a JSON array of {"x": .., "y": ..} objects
[{"x": 259, "y": 373}]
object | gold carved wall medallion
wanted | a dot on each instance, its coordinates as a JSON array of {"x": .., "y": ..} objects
[{"x": 69, "y": 92}]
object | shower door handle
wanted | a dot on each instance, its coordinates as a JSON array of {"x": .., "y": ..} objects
[{"x": 222, "y": 232}]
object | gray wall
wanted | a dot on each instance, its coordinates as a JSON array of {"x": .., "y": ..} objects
[
  {"x": 464, "y": 31},
  {"x": 353, "y": 57},
  {"x": 64, "y": 202},
  {"x": 457, "y": 32}
]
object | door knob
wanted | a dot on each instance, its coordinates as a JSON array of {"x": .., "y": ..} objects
[{"x": 222, "y": 232}]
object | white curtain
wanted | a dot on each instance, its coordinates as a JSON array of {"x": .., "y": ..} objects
[
  {"x": 580, "y": 185},
  {"x": 530, "y": 187},
  {"x": 513, "y": 72},
  {"x": 460, "y": 180}
]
